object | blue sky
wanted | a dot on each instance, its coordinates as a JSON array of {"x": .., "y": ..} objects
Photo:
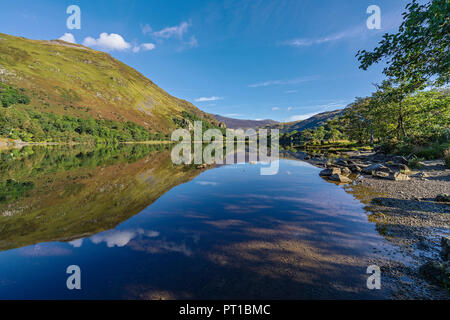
[{"x": 282, "y": 60}]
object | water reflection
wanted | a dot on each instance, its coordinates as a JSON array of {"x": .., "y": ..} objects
[{"x": 140, "y": 228}]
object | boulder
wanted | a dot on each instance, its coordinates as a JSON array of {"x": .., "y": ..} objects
[
  {"x": 445, "y": 251},
  {"x": 355, "y": 168},
  {"x": 346, "y": 171},
  {"x": 397, "y": 176},
  {"x": 400, "y": 159},
  {"x": 443, "y": 197},
  {"x": 340, "y": 178},
  {"x": 376, "y": 167},
  {"x": 341, "y": 162},
  {"x": 380, "y": 174},
  {"x": 329, "y": 172},
  {"x": 399, "y": 167}
]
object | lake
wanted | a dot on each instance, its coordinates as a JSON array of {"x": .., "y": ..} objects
[{"x": 140, "y": 227}]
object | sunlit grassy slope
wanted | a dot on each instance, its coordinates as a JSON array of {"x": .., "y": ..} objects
[{"x": 74, "y": 80}]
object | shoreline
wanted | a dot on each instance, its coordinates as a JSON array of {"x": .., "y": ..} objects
[{"x": 411, "y": 213}]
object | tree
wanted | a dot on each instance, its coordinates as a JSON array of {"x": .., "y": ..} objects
[{"x": 419, "y": 52}]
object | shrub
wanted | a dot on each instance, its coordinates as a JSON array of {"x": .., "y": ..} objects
[{"x": 415, "y": 162}]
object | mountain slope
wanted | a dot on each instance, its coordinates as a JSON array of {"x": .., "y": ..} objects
[
  {"x": 243, "y": 124},
  {"x": 310, "y": 123},
  {"x": 69, "y": 79}
]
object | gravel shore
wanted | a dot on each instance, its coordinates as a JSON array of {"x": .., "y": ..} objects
[{"x": 408, "y": 215}]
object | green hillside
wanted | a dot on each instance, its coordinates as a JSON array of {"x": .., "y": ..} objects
[{"x": 69, "y": 80}]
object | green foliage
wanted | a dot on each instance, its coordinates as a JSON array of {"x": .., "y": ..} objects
[
  {"x": 32, "y": 126},
  {"x": 32, "y": 162},
  {"x": 417, "y": 124},
  {"x": 10, "y": 96},
  {"x": 415, "y": 162},
  {"x": 420, "y": 50},
  {"x": 11, "y": 190}
]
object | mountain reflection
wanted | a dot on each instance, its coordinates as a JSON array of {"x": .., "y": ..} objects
[{"x": 77, "y": 192}]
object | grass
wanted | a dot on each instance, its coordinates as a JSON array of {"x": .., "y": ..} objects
[{"x": 73, "y": 80}]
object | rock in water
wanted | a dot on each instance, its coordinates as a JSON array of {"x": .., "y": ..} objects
[
  {"x": 340, "y": 178},
  {"x": 329, "y": 172}
]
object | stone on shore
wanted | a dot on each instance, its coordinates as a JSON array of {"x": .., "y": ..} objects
[
  {"x": 443, "y": 197},
  {"x": 329, "y": 172},
  {"x": 400, "y": 159},
  {"x": 397, "y": 176},
  {"x": 346, "y": 171},
  {"x": 376, "y": 167}
]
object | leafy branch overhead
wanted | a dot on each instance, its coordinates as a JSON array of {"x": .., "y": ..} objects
[{"x": 420, "y": 51}]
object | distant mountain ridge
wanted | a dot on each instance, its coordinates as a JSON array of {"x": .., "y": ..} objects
[
  {"x": 243, "y": 124},
  {"x": 310, "y": 123}
]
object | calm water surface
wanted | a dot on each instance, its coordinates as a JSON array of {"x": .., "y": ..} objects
[{"x": 140, "y": 227}]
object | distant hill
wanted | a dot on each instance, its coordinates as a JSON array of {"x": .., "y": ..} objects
[
  {"x": 67, "y": 79},
  {"x": 310, "y": 123},
  {"x": 243, "y": 124}
]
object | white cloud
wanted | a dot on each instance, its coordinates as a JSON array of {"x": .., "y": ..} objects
[
  {"x": 144, "y": 47},
  {"x": 119, "y": 238},
  {"x": 289, "y": 108},
  {"x": 175, "y": 31},
  {"x": 76, "y": 243},
  {"x": 148, "y": 46},
  {"x": 346, "y": 34},
  {"x": 283, "y": 82},
  {"x": 204, "y": 99},
  {"x": 108, "y": 42},
  {"x": 275, "y": 109},
  {"x": 68, "y": 37}
]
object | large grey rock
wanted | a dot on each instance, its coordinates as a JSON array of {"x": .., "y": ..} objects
[
  {"x": 355, "y": 168},
  {"x": 400, "y": 159},
  {"x": 340, "y": 178},
  {"x": 399, "y": 167},
  {"x": 341, "y": 162},
  {"x": 329, "y": 172},
  {"x": 376, "y": 167}
]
